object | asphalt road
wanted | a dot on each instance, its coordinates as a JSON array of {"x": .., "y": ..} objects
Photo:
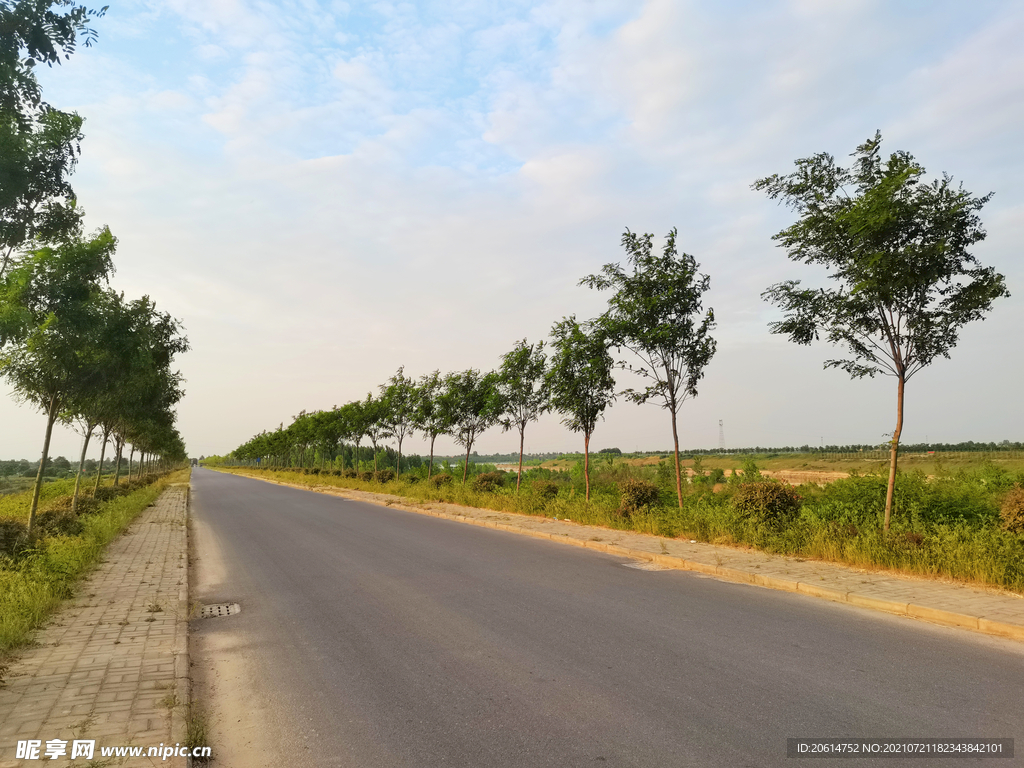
[{"x": 385, "y": 638}]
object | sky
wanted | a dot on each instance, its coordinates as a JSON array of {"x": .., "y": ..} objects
[{"x": 323, "y": 191}]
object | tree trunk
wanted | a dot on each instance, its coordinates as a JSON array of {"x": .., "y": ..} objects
[
  {"x": 81, "y": 468},
  {"x": 51, "y": 417},
  {"x": 679, "y": 474},
  {"x": 465, "y": 468},
  {"x": 398, "y": 467},
  {"x": 522, "y": 440},
  {"x": 430, "y": 466},
  {"x": 131, "y": 458},
  {"x": 355, "y": 458},
  {"x": 893, "y": 452},
  {"x": 103, "y": 454},
  {"x": 586, "y": 462},
  {"x": 117, "y": 463}
]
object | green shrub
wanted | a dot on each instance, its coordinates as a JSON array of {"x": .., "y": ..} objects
[
  {"x": 1012, "y": 511},
  {"x": 411, "y": 479},
  {"x": 488, "y": 481},
  {"x": 108, "y": 493},
  {"x": 13, "y": 537},
  {"x": 716, "y": 476},
  {"x": 545, "y": 489},
  {"x": 314, "y": 471},
  {"x": 637, "y": 496},
  {"x": 384, "y": 475},
  {"x": 767, "y": 502},
  {"x": 351, "y": 474},
  {"x": 366, "y": 477},
  {"x": 58, "y": 522},
  {"x": 441, "y": 480}
]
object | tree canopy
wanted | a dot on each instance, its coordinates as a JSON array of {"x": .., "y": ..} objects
[{"x": 897, "y": 251}]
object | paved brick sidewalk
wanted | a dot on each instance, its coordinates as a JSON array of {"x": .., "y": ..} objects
[
  {"x": 114, "y": 662},
  {"x": 990, "y": 611}
]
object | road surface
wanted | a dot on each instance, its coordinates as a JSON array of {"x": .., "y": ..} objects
[{"x": 374, "y": 637}]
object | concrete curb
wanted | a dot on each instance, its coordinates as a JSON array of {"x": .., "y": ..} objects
[
  {"x": 182, "y": 673},
  {"x": 910, "y": 610}
]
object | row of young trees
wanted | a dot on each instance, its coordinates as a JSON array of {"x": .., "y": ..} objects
[
  {"x": 69, "y": 344},
  {"x": 656, "y": 313},
  {"x": 905, "y": 283}
]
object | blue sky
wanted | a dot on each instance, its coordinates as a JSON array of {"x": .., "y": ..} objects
[{"x": 324, "y": 191}]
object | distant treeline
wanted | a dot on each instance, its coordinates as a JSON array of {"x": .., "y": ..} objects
[{"x": 58, "y": 467}]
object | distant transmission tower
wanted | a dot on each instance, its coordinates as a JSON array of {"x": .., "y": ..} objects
[{"x": 721, "y": 435}]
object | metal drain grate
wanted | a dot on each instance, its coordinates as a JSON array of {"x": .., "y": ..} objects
[
  {"x": 220, "y": 609},
  {"x": 645, "y": 565}
]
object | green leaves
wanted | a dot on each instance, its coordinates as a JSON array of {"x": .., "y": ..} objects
[
  {"x": 580, "y": 378},
  {"x": 897, "y": 249},
  {"x": 657, "y": 314}
]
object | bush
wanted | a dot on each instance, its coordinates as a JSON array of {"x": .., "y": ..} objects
[
  {"x": 13, "y": 536},
  {"x": 58, "y": 522},
  {"x": 441, "y": 480},
  {"x": 384, "y": 475},
  {"x": 767, "y": 502},
  {"x": 108, "y": 493},
  {"x": 488, "y": 481},
  {"x": 351, "y": 474},
  {"x": 1012, "y": 511},
  {"x": 315, "y": 471},
  {"x": 366, "y": 477},
  {"x": 545, "y": 489},
  {"x": 86, "y": 505},
  {"x": 411, "y": 479},
  {"x": 636, "y": 496}
]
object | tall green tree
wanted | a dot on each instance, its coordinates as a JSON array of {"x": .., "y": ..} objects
[
  {"x": 657, "y": 313},
  {"x": 49, "y": 317},
  {"x": 524, "y": 391},
  {"x": 398, "y": 410},
  {"x": 580, "y": 380},
  {"x": 475, "y": 405},
  {"x": 432, "y": 415},
  {"x": 372, "y": 412},
  {"x": 897, "y": 249},
  {"x": 39, "y": 145}
]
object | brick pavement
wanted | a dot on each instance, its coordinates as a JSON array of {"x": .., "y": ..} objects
[
  {"x": 991, "y": 611},
  {"x": 113, "y": 664}
]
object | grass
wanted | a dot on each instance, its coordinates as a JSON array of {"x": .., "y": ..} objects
[
  {"x": 947, "y": 526},
  {"x": 35, "y": 581}
]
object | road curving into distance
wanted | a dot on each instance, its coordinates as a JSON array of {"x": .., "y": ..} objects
[{"x": 369, "y": 636}]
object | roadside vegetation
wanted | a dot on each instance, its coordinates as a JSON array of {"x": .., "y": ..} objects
[
  {"x": 904, "y": 285},
  {"x": 965, "y": 524},
  {"x": 37, "y": 574},
  {"x": 71, "y": 346}
]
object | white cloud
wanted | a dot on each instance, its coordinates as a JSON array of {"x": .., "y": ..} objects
[{"x": 325, "y": 192}]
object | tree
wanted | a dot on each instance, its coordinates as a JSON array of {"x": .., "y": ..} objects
[
  {"x": 39, "y": 145},
  {"x": 524, "y": 391},
  {"x": 432, "y": 416},
  {"x": 897, "y": 249},
  {"x": 580, "y": 380},
  {"x": 355, "y": 419},
  {"x": 398, "y": 410},
  {"x": 657, "y": 314},
  {"x": 475, "y": 405},
  {"x": 48, "y": 320},
  {"x": 372, "y": 414}
]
